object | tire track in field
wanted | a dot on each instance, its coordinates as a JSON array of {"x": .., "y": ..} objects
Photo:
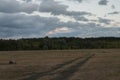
[
  {"x": 42, "y": 74},
  {"x": 63, "y": 74},
  {"x": 67, "y": 73}
]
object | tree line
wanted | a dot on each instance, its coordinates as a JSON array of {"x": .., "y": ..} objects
[{"x": 60, "y": 43}]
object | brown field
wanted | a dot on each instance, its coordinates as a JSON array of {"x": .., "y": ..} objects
[{"x": 94, "y": 64}]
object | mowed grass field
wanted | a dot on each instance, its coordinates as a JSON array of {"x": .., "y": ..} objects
[{"x": 85, "y": 64}]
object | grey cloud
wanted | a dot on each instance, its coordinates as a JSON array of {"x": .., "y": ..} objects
[
  {"x": 12, "y": 25},
  {"x": 50, "y": 6},
  {"x": 102, "y": 32},
  {"x": 27, "y": 0},
  {"x": 90, "y": 30},
  {"x": 105, "y": 21},
  {"x": 77, "y": 0},
  {"x": 75, "y": 13},
  {"x": 21, "y": 26},
  {"x": 82, "y": 18},
  {"x": 16, "y": 25},
  {"x": 57, "y": 9},
  {"x": 13, "y": 6},
  {"x": 103, "y": 2},
  {"x": 113, "y": 6},
  {"x": 53, "y": 7},
  {"x": 115, "y": 12}
]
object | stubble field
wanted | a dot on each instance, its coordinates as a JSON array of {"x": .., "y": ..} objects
[{"x": 86, "y": 64}]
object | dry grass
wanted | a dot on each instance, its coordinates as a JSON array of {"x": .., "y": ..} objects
[{"x": 105, "y": 65}]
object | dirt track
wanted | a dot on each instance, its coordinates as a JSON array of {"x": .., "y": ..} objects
[{"x": 61, "y": 71}]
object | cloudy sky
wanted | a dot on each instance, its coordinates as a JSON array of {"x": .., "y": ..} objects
[{"x": 59, "y": 18}]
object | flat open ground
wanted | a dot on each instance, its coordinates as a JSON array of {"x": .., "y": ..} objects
[{"x": 95, "y": 64}]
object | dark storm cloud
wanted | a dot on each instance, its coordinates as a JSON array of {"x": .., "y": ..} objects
[
  {"x": 103, "y": 2},
  {"x": 13, "y": 6},
  {"x": 113, "y": 13}
]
